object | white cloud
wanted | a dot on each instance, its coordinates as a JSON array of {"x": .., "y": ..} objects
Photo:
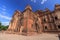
[
  {"x": 43, "y": 1},
  {"x": 4, "y": 6},
  {"x": 33, "y": 1},
  {"x": 5, "y": 23},
  {"x": 5, "y": 17},
  {"x": 3, "y": 12},
  {"x": 3, "y": 9}
]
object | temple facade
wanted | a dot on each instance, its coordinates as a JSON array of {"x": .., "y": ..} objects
[{"x": 35, "y": 22}]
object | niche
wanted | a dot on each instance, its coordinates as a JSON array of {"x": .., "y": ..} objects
[
  {"x": 56, "y": 18},
  {"x": 58, "y": 26},
  {"x": 44, "y": 20},
  {"x": 46, "y": 28}
]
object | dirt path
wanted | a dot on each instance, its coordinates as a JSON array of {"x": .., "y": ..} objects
[{"x": 4, "y": 36}]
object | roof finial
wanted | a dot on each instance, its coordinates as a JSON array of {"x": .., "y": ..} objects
[{"x": 28, "y": 7}]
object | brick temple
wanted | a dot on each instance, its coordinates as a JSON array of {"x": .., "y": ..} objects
[{"x": 35, "y": 22}]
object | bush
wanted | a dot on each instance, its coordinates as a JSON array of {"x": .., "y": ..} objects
[{"x": 3, "y": 28}]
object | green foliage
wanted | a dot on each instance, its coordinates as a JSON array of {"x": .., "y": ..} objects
[
  {"x": 2, "y": 27},
  {"x": 0, "y": 23}
]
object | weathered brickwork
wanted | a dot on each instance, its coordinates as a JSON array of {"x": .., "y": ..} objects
[{"x": 36, "y": 22}]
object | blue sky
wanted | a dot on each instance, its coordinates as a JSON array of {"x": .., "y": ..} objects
[{"x": 7, "y": 7}]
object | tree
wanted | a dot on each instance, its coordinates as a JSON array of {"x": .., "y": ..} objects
[
  {"x": 0, "y": 23},
  {"x": 2, "y": 27}
]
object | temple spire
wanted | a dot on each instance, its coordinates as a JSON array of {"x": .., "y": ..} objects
[
  {"x": 57, "y": 7},
  {"x": 28, "y": 7}
]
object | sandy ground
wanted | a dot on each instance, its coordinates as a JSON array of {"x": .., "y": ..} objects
[{"x": 44, "y": 36}]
